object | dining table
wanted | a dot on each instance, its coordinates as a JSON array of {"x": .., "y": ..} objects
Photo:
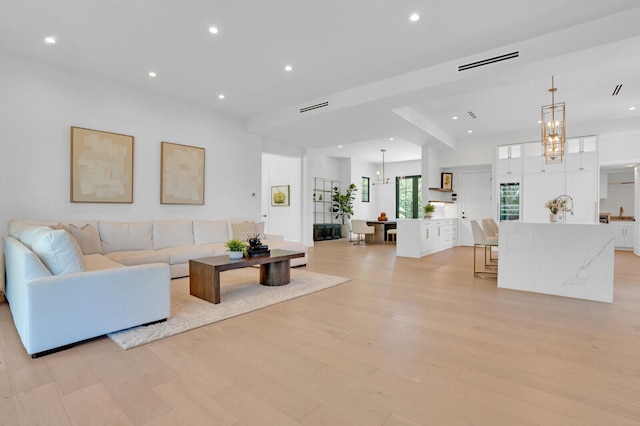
[{"x": 380, "y": 227}]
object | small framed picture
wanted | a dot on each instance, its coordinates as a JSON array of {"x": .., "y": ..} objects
[
  {"x": 446, "y": 181},
  {"x": 280, "y": 195}
]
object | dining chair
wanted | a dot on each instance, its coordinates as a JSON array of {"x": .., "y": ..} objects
[
  {"x": 392, "y": 235},
  {"x": 480, "y": 240},
  {"x": 490, "y": 228},
  {"x": 360, "y": 228}
]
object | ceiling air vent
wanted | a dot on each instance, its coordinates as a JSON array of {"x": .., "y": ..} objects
[
  {"x": 471, "y": 114},
  {"x": 312, "y": 107},
  {"x": 616, "y": 91},
  {"x": 484, "y": 62}
]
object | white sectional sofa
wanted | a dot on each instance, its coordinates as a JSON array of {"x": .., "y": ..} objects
[{"x": 71, "y": 281}]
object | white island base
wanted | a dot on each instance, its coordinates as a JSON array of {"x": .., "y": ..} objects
[{"x": 564, "y": 260}]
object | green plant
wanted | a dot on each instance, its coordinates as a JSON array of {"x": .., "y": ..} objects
[
  {"x": 236, "y": 245},
  {"x": 343, "y": 203},
  {"x": 429, "y": 208}
]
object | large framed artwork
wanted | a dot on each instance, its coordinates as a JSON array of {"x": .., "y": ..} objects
[
  {"x": 181, "y": 174},
  {"x": 280, "y": 195},
  {"x": 101, "y": 167}
]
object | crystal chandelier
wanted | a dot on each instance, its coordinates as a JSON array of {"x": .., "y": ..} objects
[{"x": 553, "y": 129}]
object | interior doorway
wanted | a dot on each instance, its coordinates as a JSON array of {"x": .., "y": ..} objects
[{"x": 475, "y": 200}]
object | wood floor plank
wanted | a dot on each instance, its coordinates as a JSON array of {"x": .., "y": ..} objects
[{"x": 405, "y": 342}]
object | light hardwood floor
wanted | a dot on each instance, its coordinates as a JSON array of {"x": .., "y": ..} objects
[{"x": 406, "y": 342}]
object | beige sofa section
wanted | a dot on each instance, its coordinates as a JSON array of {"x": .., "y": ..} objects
[{"x": 174, "y": 242}]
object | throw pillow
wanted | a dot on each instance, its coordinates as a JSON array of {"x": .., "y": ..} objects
[
  {"x": 27, "y": 234},
  {"x": 59, "y": 251},
  {"x": 87, "y": 237},
  {"x": 242, "y": 230}
]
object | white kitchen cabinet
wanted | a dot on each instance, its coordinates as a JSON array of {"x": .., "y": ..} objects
[
  {"x": 582, "y": 186},
  {"x": 580, "y": 154},
  {"x": 624, "y": 235},
  {"x": 537, "y": 189},
  {"x": 421, "y": 237},
  {"x": 509, "y": 160}
]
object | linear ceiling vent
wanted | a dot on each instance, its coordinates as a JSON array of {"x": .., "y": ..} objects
[
  {"x": 616, "y": 91},
  {"x": 484, "y": 62},
  {"x": 471, "y": 114},
  {"x": 312, "y": 107}
]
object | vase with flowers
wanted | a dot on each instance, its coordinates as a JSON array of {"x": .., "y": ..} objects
[{"x": 555, "y": 205}]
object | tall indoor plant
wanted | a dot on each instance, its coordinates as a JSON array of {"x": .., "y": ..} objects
[{"x": 343, "y": 206}]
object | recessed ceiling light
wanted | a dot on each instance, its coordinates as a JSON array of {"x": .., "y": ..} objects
[
  {"x": 152, "y": 74},
  {"x": 220, "y": 96},
  {"x": 339, "y": 146},
  {"x": 632, "y": 108},
  {"x": 414, "y": 17},
  {"x": 455, "y": 117},
  {"x": 390, "y": 139},
  {"x": 539, "y": 121},
  {"x": 469, "y": 131},
  {"x": 288, "y": 68},
  {"x": 213, "y": 30},
  {"x": 50, "y": 40}
]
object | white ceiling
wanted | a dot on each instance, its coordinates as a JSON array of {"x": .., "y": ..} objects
[{"x": 382, "y": 75}]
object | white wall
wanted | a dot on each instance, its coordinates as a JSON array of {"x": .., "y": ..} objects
[{"x": 39, "y": 104}]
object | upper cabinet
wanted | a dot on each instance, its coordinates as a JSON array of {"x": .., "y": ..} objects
[
  {"x": 509, "y": 160},
  {"x": 533, "y": 161},
  {"x": 581, "y": 154}
]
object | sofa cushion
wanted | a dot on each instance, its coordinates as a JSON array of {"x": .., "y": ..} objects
[
  {"x": 178, "y": 255},
  {"x": 125, "y": 236},
  {"x": 87, "y": 237},
  {"x": 242, "y": 230},
  {"x": 96, "y": 262},
  {"x": 210, "y": 231},
  {"x": 59, "y": 251},
  {"x": 138, "y": 257},
  {"x": 172, "y": 233}
]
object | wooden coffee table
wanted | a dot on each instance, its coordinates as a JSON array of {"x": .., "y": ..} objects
[{"x": 204, "y": 274}]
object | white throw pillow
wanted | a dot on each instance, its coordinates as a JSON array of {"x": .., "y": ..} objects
[
  {"x": 26, "y": 234},
  {"x": 87, "y": 237},
  {"x": 59, "y": 251}
]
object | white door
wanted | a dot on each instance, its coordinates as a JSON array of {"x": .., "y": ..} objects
[
  {"x": 265, "y": 201},
  {"x": 474, "y": 195}
]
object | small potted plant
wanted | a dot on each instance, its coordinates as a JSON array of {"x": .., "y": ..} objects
[
  {"x": 428, "y": 210},
  {"x": 237, "y": 249}
]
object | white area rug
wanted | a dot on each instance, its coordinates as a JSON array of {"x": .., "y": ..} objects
[{"x": 240, "y": 292}]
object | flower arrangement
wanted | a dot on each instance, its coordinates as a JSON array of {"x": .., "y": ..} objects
[{"x": 556, "y": 204}]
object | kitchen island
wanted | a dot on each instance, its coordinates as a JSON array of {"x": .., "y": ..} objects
[{"x": 561, "y": 259}]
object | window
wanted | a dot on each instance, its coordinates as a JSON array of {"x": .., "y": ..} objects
[
  {"x": 365, "y": 189},
  {"x": 408, "y": 197}
]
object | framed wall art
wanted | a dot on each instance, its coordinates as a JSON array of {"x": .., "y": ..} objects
[
  {"x": 181, "y": 174},
  {"x": 446, "y": 181},
  {"x": 280, "y": 195},
  {"x": 101, "y": 167}
]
